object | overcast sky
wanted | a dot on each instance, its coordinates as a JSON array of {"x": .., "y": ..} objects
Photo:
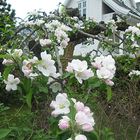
[{"x": 24, "y": 6}]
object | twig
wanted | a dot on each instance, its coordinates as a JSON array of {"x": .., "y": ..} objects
[{"x": 58, "y": 60}]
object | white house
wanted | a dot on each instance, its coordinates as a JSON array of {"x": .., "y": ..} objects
[{"x": 103, "y": 10}]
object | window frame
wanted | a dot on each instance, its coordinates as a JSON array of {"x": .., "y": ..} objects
[{"x": 83, "y": 7}]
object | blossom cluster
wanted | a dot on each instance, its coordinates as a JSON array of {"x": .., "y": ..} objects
[
  {"x": 135, "y": 31},
  {"x": 105, "y": 66},
  {"x": 45, "y": 42},
  {"x": 31, "y": 68},
  {"x": 83, "y": 119},
  {"x": 13, "y": 55},
  {"x": 80, "y": 69},
  {"x": 34, "y": 23},
  {"x": 60, "y": 31},
  {"x": 134, "y": 73}
]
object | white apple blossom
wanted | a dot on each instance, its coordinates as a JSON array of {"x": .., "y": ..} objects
[
  {"x": 84, "y": 121},
  {"x": 134, "y": 73},
  {"x": 45, "y": 42},
  {"x": 64, "y": 123},
  {"x": 34, "y": 13},
  {"x": 109, "y": 63},
  {"x": 64, "y": 43},
  {"x": 75, "y": 18},
  {"x": 60, "y": 105},
  {"x": 134, "y": 30},
  {"x": 53, "y": 25},
  {"x": 65, "y": 28},
  {"x": 104, "y": 73},
  {"x": 29, "y": 23},
  {"x": 60, "y": 31},
  {"x": 60, "y": 34},
  {"x": 98, "y": 62},
  {"x": 17, "y": 53},
  {"x": 79, "y": 68},
  {"x": 69, "y": 139},
  {"x": 46, "y": 65},
  {"x": 80, "y": 137},
  {"x": 27, "y": 67},
  {"x": 11, "y": 82},
  {"x": 106, "y": 68},
  {"x": 7, "y": 62},
  {"x": 39, "y": 22},
  {"x": 76, "y": 25}
]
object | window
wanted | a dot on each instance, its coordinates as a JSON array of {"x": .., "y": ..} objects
[{"x": 82, "y": 6}]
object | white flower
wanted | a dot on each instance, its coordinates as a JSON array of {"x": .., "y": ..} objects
[
  {"x": 109, "y": 63},
  {"x": 105, "y": 68},
  {"x": 0, "y": 75},
  {"x": 65, "y": 28},
  {"x": 80, "y": 137},
  {"x": 53, "y": 25},
  {"x": 69, "y": 139},
  {"x": 64, "y": 123},
  {"x": 98, "y": 62},
  {"x": 134, "y": 30},
  {"x": 29, "y": 23},
  {"x": 60, "y": 105},
  {"x": 27, "y": 67},
  {"x": 79, "y": 68},
  {"x": 64, "y": 44},
  {"x": 45, "y": 42},
  {"x": 11, "y": 82},
  {"x": 39, "y": 22},
  {"x": 134, "y": 73},
  {"x": 7, "y": 62},
  {"x": 46, "y": 65},
  {"x": 86, "y": 74},
  {"x": 85, "y": 121},
  {"x": 17, "y": 53},
  {"x": 104, "y": 73},
  {"x": 76, "y": 25},
  {"x": 34, "y": 13},
  {"x": 60, "y": 34}
]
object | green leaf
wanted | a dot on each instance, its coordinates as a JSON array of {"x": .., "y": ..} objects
[
  {"x": 43, "y": 89},
  {"x": 66, "y": 75},
  {"x": 7, "y": 71},
  {"x": 91, "y": 136},
  {"x": 4, "y": 133},
  {"x": 109, "y": 93},
  {"x": 29, "y": 98}
]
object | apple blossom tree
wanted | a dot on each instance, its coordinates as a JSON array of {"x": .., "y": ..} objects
[{"x": 60, "y": 74}]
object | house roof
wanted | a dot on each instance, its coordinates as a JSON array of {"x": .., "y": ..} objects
[{"x": 119, "y": 7}]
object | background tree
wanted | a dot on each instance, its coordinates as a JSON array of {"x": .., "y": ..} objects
[{"x": 7, "y": 23}]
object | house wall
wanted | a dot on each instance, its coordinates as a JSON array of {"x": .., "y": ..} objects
[{"x": 94, "y": 9}]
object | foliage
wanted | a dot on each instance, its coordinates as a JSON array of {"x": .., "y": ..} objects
[{"x": 34, "y": 75}]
